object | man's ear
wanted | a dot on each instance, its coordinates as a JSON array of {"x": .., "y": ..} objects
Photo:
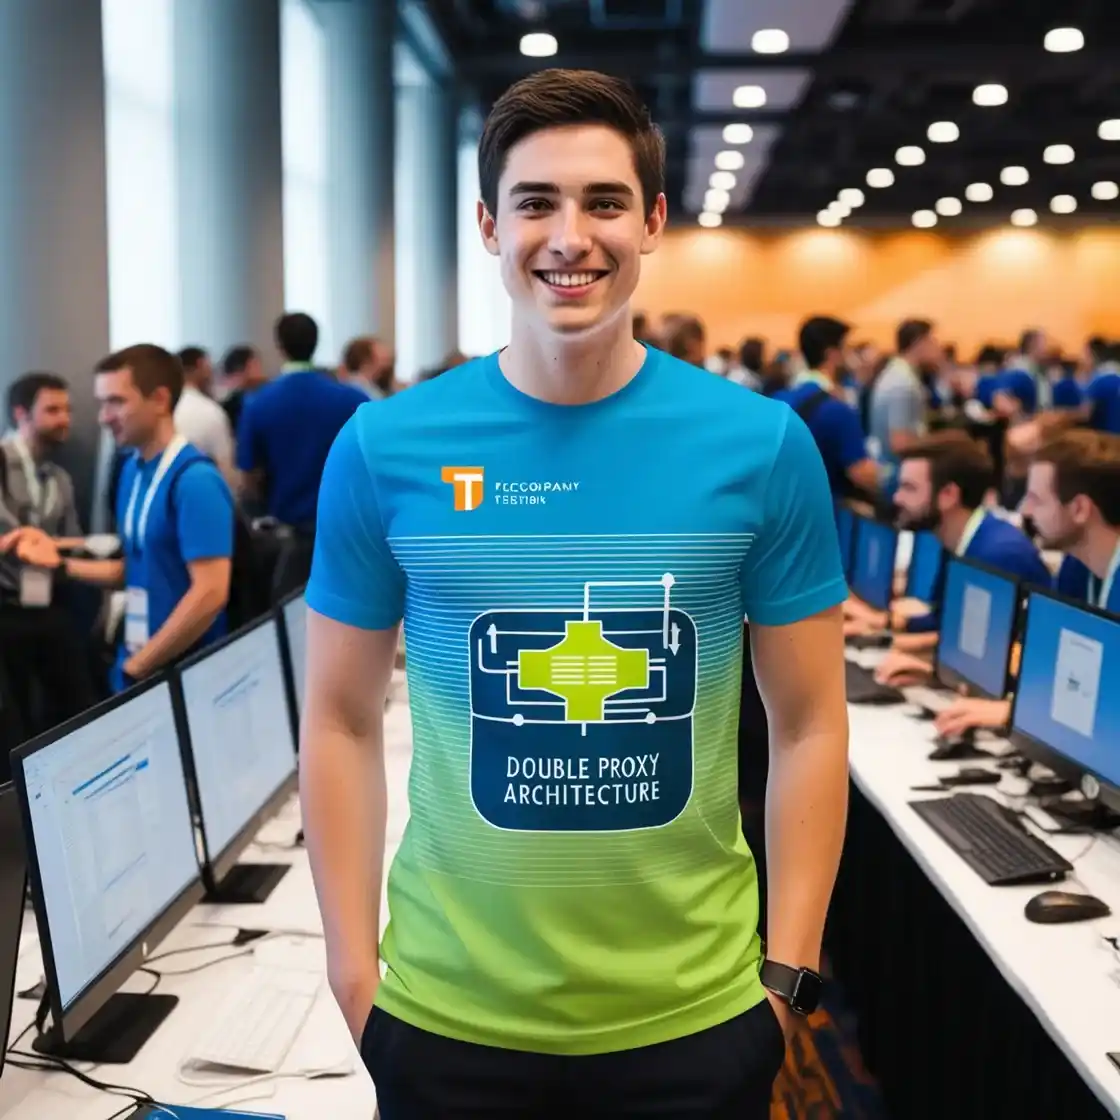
[
  {"x": 655, "y": 225},
  {"x": 488, "y": 227}
]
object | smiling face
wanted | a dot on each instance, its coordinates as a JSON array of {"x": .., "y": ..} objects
[{"x": 571, "y": 228}]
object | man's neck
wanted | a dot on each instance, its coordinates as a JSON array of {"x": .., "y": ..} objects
[
  {"x": 1096, "y": 549},
  {"x": 953, "y": 524},
  {"x": 36, "y": 448},
  {"x": 157, "y": 444},
  {"x": 570, "y": 371}
]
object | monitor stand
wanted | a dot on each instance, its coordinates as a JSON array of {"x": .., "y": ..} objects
[
  {"x": 248, "y": 884},
  {"x": 115, "y": 1035},
  {"x": 1090, "y": 816}
]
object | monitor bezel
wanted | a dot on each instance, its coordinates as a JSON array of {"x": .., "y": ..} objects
[
  {"x": 861, "y": 520},
  {"x": 939, "y": 580},
  {"x": 9, "y": 803},
  {"x": 1035, "y": 750},
  {"x": 286, "y": 658},
  {"x": 102, "y": 987},
  {"x": 952, "y": 678},
  {"x": 216, "y": 866}
]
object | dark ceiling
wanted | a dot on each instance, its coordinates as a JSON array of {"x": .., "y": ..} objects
[{"x": 860, "y": 79}]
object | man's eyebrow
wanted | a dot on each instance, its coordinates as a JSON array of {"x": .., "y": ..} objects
[
  {"x": 534, "y": 188},
  {"x": 589, "y": 189},
  {"x": 609, "y": 188}
]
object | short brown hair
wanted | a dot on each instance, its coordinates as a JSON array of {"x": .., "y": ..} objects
[
  {"x": 680, "y": 332},
  {"x": 151, "y": 367},
  {"x": 1086, "y": 462},
  {"x": 358, "y": 352},
  {"x": 956, "y": 459},
  {"x": 555, "y": 98}
]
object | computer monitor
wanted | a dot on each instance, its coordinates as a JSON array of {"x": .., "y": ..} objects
[
  {"x": 113, "y": 865},
  {"x": 979, "y": 611},
  {"x": 846, "y": 531},
  {"x": 924, "y": 572},
  {"x": 240, "y": 751},
  {"x": 293, "y": 633},
  {"x": 13, "y": 883},
  {"x": 872, "y": 576},
  {"x": 1066, "y": 716}
]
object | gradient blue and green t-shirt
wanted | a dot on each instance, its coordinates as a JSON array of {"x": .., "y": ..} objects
[{"x": 573, "y": 580}]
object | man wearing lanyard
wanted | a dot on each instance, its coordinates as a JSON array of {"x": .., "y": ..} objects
[
  {"x": 34, "y": 492},
  {"x": 1073, "y": 498},
  {"x": 175, "y": 514}
]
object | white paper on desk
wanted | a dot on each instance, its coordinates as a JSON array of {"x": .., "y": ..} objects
[
  {"x": 975, "y": 616},
  {"x": 1077, "y": 679}
]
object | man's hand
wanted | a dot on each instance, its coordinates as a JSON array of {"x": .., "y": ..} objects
[
  {"x": 964, "y": 714},
  {"x": 865, "y": 626},
  {"x": 899, "y": 669},
  {"x": 31, "y": 546},
  {"x": 912, "y": 643}
]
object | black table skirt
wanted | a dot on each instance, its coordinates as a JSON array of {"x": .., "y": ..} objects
[{"x": 940, "y": 1029}]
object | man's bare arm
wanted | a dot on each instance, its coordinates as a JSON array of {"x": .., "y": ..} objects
[
  {"x": 344, "y": 800},
  {"x": 800, "y": 671}
]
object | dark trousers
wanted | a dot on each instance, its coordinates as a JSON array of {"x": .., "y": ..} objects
[{"x": 725, "y": 1073}]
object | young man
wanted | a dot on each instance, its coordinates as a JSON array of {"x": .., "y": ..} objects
[
  {"x": 174, "y": 513},
  {"x": 943, "y": 482},
  {"x": 242, "y": 374},
  {"x": 572, "y": 530},
  {"x": 1073, "y": 497},
  {"x": 287, "y": 427},
  {"x": 199, "y": 418},
  {"x": 367, "y": 364},
  {"x": 816, "y": 396}
]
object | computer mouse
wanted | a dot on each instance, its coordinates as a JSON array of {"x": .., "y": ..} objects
[
  {"x": 1052, "y": 907},
  {"x": 972, "y": 776}
]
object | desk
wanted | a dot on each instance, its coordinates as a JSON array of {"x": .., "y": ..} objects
[
  {"x": 965, "y": 1008},
  {"x": 324, "y": 1042}
]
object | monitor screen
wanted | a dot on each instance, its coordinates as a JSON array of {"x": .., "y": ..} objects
[
  {"x": 114, "y": 841},
  {"x": 1068, "y": 655},
  {"x": 240, "y": 730},
  {"x": 925, "y": 567},
  {"x": 978, "y": 613},
  {"x": 295, "y": 627},
  {"x": 13, "y": 884},
  {"x": 846, "y": 530},
  {"x": 873, "y": 568}
]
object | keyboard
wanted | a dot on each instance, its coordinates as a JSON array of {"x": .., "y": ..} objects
[
  {"x": 992, "y": 840},
  {"x": 257, "y": 1022},
  {"x": 861, "y": 687}
]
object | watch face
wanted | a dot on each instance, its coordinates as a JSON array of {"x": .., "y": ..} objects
[{"x": 807, "y": 992}]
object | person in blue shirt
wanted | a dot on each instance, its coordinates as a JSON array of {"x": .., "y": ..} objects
[
  {"x": 835, "y": 425},
  {"x": 572, "y": 530},
  {"x": 287, "y": 427},
  {"x": 174, "y": 517},
  {"x": 943, "y": 485},
  {"x": 1023, "y": 388}
]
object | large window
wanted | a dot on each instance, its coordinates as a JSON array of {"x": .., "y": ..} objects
[
  {"x": 303, "y": 80},
  {"x": 144, "y": 292}
]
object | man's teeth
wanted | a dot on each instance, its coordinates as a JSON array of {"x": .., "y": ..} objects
[{"x": 570, "y": 279}]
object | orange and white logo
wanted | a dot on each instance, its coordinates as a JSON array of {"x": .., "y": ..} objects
[{"x": 466, "y": 482}]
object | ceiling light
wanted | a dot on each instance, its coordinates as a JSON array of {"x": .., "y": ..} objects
[
  {"x": 770, "y": 40},
  {"x": 1058, "y": 153},
  {"x": 828, "y": 218},
  {"x": 949, "y": 207},
  {"x": 709, "y": 220},
  {"x": 880, "y": 177},
  {"x": 979, "y": 192},
  {"x": 1063, "y": 204},
  {"x": 1024, "y": 217},
  {"x": 943, "y": 132},
  {"x": 729, "y": 161},
  {"x": 1062, "y": 40},
  {"x": 538, "y": 44},
  {"x": 749, "y": 97},
  {"x": 852, "y": 197},
  {"x": 925, "y": 219},
  {"x": 737, "y": 134},
  {"x": 721, "y": 181},
  {"x": 1105, "y": 191},
  {"x": 1109, "y": 130},
  {"x": 910, "y": 155},
  {"x": 1014, "y": 176},
  {"x": 990, "y": 95},
  {"x": 716, "y": 200}
]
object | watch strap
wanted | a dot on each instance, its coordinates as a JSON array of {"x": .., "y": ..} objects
[{"x": 799, "y": 987}]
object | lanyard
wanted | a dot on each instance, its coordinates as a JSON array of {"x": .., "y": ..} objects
[
  {"x": 170, "y": 454},
  {"x": 42, "y": 497},
  {"x": 1103, "y": 588},
  {"x": 970, "y": 529}
]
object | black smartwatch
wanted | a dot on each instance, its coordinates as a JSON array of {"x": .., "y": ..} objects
[{"x": 800, "y": 987}]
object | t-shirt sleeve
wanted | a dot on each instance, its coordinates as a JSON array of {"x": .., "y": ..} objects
[
  {"x": 793, "y": 569},
  {"x": 203, "y": 513},
  {"x": 355, "y": 578}
]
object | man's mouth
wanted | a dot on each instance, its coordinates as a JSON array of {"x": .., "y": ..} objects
[{"x": 570, "y": 282}]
